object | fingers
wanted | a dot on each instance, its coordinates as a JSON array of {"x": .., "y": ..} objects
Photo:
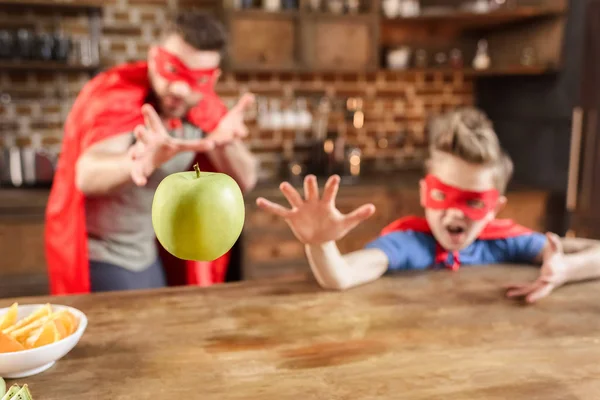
[
  {"x": 522, "y": 290},
  {"x": 152, "y": 119},
  {"x": 245, "y": 101},
  {"x": 540, "y": 293},
  {"x": 141, "y": 133},
  {"x": 311, "y": 188},
  {"x": 292, "y": 196},
  {"x": 331, "y": 189},
  {"x": 137, "y": 174},
  {"x": 360, "y": 214},
  {"x": 273, "y": 208},
  {"x": 554, "y": 241},
  {"x": 199, "y": 146}
]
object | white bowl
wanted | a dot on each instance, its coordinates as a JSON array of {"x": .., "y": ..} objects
[{"x": 20, "y": 364}]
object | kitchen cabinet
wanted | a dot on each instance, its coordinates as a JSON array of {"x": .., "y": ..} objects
[
  {"x": 253, "y": 45},
  {"x": 301, "y": 40},
  {"x": 271, "y": 250},
  {"x": 583, "y": 193},
  {"x": 341, "y": 43}
]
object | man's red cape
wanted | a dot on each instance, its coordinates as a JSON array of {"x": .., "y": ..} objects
[
  {"x": 496, "y": 229},
  {"x": 110, "y": 104}
]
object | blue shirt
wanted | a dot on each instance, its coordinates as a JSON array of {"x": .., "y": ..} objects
[{"x": 410, "y": 250}]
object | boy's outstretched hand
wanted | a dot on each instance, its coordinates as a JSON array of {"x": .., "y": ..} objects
[
  {"x": 316, "y": 220},
  {"x": 552, "y": 274}
]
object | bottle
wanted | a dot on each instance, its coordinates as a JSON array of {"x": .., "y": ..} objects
[{"x": 482, "y": 58}]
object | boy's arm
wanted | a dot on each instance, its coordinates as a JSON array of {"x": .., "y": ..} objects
[
  {"x": 563, "y": 260},
  {"x": 336, "y": 271},
  {"x": 317, "y": 223},
  {"x": 582, "y": 258}
]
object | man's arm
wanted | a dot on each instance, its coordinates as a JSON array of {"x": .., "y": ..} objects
[
  {"x": 104, "y": 167},
  {"x": 235, "y": 160},
  {"x": 339, "y": 272}
]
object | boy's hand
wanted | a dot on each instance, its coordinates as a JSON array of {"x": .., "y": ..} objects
[
  {"x": 552, "y": 274},
  {"x": 314, "y": 220}
]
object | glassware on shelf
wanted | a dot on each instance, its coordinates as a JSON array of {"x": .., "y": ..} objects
[
  {"x": 482, "y": 58},
  {"x": 353, "y": 6},
  {"x": 336, "y": 6},
  {"x": 456, "y": 58},
  {"x": 421, "y": 58},
  {"x": 391, "y": 8},
  {"x": 315, "y": 5},
  {"x": 272, "y": 5},
  {"x": 275, "y": 115},
  {"x": 410, "y": 8},
  {"x": 528, "y": 58},
  {"x": 304, "y": 117}
]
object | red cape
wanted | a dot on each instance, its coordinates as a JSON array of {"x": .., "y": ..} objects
[
  {"x": 496, "y": 229},
  {"x": 110, "y": 104}
]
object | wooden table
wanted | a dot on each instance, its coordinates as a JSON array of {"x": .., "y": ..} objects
[{"x": 435, "y": 335}]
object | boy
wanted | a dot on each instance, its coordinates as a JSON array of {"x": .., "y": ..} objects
[{"x": 467, "y": 174}]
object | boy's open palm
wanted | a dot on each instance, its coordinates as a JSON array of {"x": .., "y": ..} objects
[
  {"x": 316, "y": 220},
  {"x": 553, "y": 274}
]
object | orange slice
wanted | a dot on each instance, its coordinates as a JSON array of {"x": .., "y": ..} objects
[
  {"x": 68, "y": 320},
  {"x": 8, "y": 344},
  {"x": 23, "y": 333},
  {"x": 10, "y": 318},
  {"x": 47, "y": 334},
  {"x": 41, "y": 312}
]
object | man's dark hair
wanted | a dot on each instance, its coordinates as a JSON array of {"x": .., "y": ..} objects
[{"x": 199, "y": 29}]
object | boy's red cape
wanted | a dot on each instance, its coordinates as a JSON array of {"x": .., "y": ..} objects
[
  {"x": 110, "y": 104},
  {"x": 496, "y": 229}
]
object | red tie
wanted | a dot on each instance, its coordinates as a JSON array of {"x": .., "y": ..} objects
[{"x": 441, "y": 256}]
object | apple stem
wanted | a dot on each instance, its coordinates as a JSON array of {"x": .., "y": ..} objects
[{"x": 197, "y": 169}]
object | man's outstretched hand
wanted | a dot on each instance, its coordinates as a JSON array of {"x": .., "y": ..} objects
[{"x": 155, "y": 146}]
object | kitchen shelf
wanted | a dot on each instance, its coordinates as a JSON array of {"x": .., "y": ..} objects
[
  {"x": 72, "y": 5},
  {"x": 260, "y": 13},
  {"x": 472, "y": 20},
  {"x": 44, "y": 66},
  {"x": 494, "y": 71}
]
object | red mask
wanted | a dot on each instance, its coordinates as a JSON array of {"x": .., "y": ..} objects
[
  {"x": 174, "y": 70},
  {"x": 475, "y": 205}
]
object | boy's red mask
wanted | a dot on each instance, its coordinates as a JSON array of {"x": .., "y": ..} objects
[
  {"x": 173, "y": 69},
  {"x": 475, "y": 205}
]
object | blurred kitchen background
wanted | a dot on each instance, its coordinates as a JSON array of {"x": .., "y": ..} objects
[{"x": 343, "y": 86}]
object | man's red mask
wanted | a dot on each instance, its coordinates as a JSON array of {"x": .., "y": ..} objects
[
  {"x": 475, "y": 205},
  {"x": 174, "y": 70}
]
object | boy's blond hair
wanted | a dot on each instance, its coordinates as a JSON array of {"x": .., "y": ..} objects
[{"x": 468, "y": 134}]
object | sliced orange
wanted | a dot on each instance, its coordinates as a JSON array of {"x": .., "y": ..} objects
[
  {"x": 8, "y": 344},
  {"x": 23, "y": 333},
  {"x": 41, "y": 312},
  {"x": 68, "y": 320},
  {"x": 10, "y": 318},
  {"x": 61, "y": 328},
  {"x": 47, "y": 334}
]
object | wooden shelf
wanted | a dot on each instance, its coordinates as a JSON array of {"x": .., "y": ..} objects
[
  {"x": 72, "y": 5},
  {"x": 472, "y": 20},
  {"x": 260, "y": 13},
  {"x": 48, "y": 66},
  {"x": 494, "y": 71}
]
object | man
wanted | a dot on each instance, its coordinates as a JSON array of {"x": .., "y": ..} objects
[{"x": 129, "y": 128}]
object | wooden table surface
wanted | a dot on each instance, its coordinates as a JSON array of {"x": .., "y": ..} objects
[{"x": 435, "y": 335}]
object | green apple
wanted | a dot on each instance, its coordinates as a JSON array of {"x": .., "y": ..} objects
[{"x": 198, "y": 215}]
